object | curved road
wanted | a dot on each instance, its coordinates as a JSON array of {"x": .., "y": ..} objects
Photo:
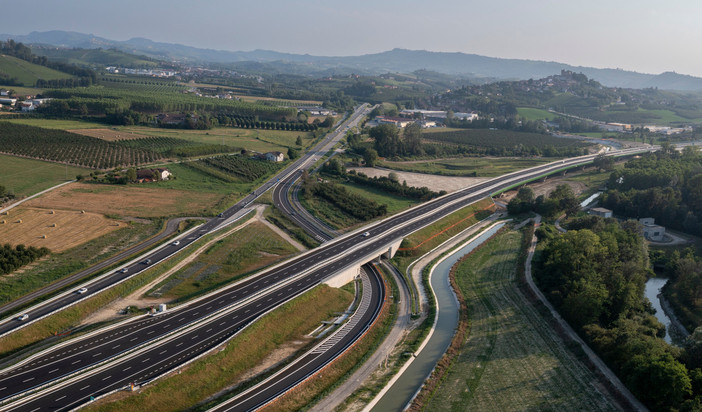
[
  {"x": 235, "y": 305},
  {"x": 64, "y": 300}
]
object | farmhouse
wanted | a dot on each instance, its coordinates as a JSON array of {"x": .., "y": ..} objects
[
  {"x": 274, "y": 156},
  {"x": 152, "y": 175},
  {"x": 7, "y": 100}
]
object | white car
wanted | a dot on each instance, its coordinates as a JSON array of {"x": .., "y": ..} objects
[
  {"x": 176, "y": 243},
  {"x": 23, "y": 317},
  {"x": 124, "y": 270},
  {"x": 365, "y": 234},
  {"x": 82, "y": 290}
]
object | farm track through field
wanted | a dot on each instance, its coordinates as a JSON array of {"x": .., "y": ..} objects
[{"x": 512, "y": 358}]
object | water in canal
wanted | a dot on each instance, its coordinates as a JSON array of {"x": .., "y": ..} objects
[
  {"x": 652, "y": 290},
  {"x": 404, "y": 389}
]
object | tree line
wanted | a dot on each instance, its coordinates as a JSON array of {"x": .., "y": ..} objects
[
  {"x": 13, "y": 258},
  {"x": 595, "y": 275}
]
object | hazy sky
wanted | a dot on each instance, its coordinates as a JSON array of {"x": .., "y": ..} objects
[{"x": 643, "y": 35}]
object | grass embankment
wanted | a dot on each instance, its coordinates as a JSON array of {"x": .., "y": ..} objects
[
  {"x": 214, "y": 373},
  {"x": 273, "y": 215},
  {"x": 242, "y": 253},
  {"x": 25, "y": 177},
  {"x": 466, "y": 166},
  {"x": 512, "y": 359},
  {"x": 60, "y": 265},
  {"x": 424, "y": 240},
  {"x": 325, "y": 381}
]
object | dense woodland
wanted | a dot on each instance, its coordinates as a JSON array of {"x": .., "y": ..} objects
[
  {"x": 595, "y": 275},
  {"x": 665, "y": 185}
]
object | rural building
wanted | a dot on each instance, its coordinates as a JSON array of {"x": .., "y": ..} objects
[
  {"x": 7, "y": 100},
  {"x": 152, "y": 175},
  {"x": 164, "y": 174},
  {"x": 316, "y": 110},
  {"x": 27, "y": 106},
  {"x": 400, "y": 122},
  {"x": 4, "y": 93},
  {"x": 275, "y": 156},
  {"x": 652, "y": 231},
  {"x": 600, "y": 211}
]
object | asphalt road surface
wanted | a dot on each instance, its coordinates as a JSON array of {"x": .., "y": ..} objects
[{"x": 206, "y": 334}]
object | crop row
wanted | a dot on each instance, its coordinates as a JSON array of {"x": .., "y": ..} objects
[
  {"x": 65, "y": 147},
  {"x": 157, "y": 101},
  {"x": 245, "y": 168}
]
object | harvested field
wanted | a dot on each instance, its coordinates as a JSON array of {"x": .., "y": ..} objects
[
  {"x": 142, "y": 201},
  {"x": 58, "y": 231},
  {"x": 109, "y": 134},
  {"x": 512, "y": 359}
]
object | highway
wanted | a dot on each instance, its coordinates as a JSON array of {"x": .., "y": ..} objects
[
  {"x": 236, "y": 304},
  {"x": 321, "y": 355},
  {"x": 66, "y": 299},
  {"x": 171, "y": 227}
]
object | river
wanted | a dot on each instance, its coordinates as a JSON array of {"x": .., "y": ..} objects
[{"x": 652, "y": 290}]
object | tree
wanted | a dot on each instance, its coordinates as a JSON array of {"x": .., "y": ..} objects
[
  {"x": 393, "y": 176},
  {"x": 387, "y": 140},
  {"x": 298, "y": 141},
  {"x": 370, "y": 156},
  {"x": 602, "y": 162},
  {"x": 293, "y": 153},
  {"x": 131, "y": 174},
  {"x": 412, "y": 139}
]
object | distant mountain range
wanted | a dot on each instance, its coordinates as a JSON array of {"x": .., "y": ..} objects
[{"x": 396, "y": 60}]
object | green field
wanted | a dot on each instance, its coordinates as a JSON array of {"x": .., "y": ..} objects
[
  {"x": 666, "y": 117},
  {"x": 25, "y": 177},
  {"x": 531, "y": 113},
  {"x": 58, "y": 124},
  {"x": 467, "y": 166},
  {"x": 250, "y": 139},
  {"x": 512, "y": 358},
  {"x": 28, "y": 73}
]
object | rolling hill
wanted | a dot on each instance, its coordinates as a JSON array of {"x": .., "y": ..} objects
[
  {"x": 25, "y": 73},
  {"x": 396, "y": 60}
]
